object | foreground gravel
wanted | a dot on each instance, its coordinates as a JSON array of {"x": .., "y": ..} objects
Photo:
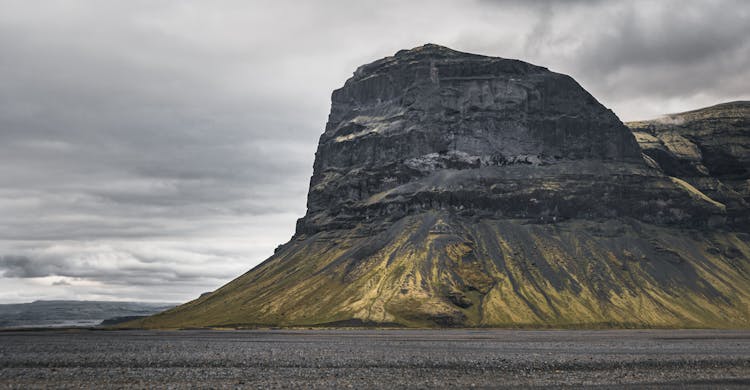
[{"x": 373, "y": 359}]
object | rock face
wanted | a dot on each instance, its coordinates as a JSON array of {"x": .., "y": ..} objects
[
  {"x": 452, "y": 189},
  {"x": 432, "y": 128},
  {"x": 708, "y": 148}
]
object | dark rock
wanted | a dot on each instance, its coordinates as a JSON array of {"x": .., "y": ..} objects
[
  {"x": 708, "y": 148},
  {"x": 459, "y": 299},
  {"x": 433, "y": 128}
]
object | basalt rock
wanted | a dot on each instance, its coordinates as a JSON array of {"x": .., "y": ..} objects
[
  {"x": 708, "y": 148},
  {"x": 432, "y": 128},
  {"x": 453, "y": 189}
]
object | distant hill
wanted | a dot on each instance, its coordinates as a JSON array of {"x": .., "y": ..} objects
[{"x": 73, "y": 313}]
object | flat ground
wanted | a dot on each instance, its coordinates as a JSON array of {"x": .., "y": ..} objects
[{"x": 374, "y": 358}]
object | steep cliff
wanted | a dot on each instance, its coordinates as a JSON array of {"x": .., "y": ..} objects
[
  {"x": 453, "y": 189},
  {"x": 434, "y": 128},
  {"x": 709, "y": 148}
]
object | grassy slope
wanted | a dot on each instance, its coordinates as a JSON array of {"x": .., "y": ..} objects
[{"x": 436, "y": 269}]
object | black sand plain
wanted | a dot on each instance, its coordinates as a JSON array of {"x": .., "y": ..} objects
[{"x": 456, "y": 358}]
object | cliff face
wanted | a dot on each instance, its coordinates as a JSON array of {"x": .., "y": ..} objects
[
  {"x": 709, "y": 148},
  {"x": 432, "y": 128},
  {"x": 452, "y": 189}
]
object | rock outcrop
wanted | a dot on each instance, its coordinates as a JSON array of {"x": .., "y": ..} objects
[
  {"x": 432, "y": 128},
  {"x": 708, "y": 148},
  {"x": 453, "y": 189}
]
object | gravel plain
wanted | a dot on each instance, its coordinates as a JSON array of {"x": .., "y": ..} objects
[{"x": 456, "y": 358}]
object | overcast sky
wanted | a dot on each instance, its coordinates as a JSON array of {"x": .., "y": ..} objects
[{"x": 154, "y": 150}]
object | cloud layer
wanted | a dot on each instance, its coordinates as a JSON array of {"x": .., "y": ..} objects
[{"x": 155, "y": 150}]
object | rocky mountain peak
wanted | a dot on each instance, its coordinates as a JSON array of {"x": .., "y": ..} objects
[
  {"x": 431, "y": 53},
  {"x": 452, "y": 189},
  {"x": 431, "y": 49},
  {"x": 428, "y": 52},
  {"x": 431, "y": 122},
  {"x": 499, "y": 108}
]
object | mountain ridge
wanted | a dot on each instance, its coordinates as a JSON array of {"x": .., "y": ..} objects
[{"x": 73, "y": 313}]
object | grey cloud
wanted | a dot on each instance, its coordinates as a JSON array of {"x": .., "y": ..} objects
[
  {"x": 675, "y": 33},
  {"x": 113, "y": 266},
  {"x": 641, "y": 58},
  {"x": 22, "y": 267}
]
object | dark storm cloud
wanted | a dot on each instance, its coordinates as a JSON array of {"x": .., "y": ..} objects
[
  {"x": 21, "y": 267},
  {"x": 645, "y": 58},
  {"x": 638, "y": 49},
  {"x": 167, "y": 146}
]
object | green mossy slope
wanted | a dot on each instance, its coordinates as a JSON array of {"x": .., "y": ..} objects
[{"x": 437, "y": 269}]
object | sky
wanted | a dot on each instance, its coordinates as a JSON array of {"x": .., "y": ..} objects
[{"x": 155, "y": 150}]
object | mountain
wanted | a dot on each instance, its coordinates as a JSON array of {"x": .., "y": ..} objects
[
  {"x": 72, "y": 313},
  {"x": 454, "y": 189},
  {"x": 708, "y": 148}
]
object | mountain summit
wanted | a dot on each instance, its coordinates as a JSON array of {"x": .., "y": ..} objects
[{"x": 454, "y": 189}]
